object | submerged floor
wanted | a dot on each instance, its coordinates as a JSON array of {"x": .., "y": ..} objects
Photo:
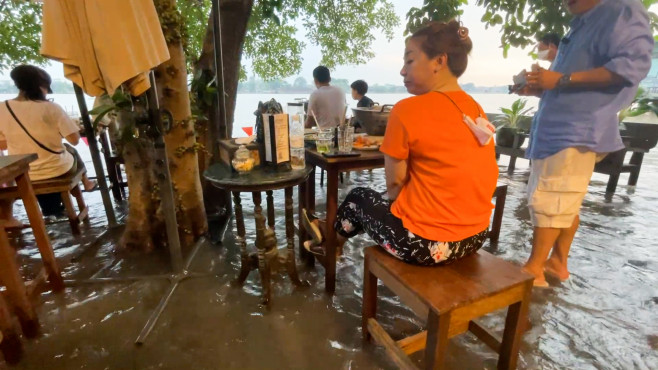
[{"x": 604, "y": 317}]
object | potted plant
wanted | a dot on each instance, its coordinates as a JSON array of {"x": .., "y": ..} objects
[
  {"x": 515, "y": 119},
  {"x": 638, "y": 123}
]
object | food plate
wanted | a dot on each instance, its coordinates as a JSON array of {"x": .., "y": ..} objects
[
  {"x": 370, "y": 147},
  {"x": 365, "y": 142}
]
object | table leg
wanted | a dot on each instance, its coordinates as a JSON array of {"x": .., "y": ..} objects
[
  {"x": 270, "y": 209},
  {"x": 39, "y": 228},
  {"x": 330, "y": 238},
  {"x": 636, "y": 159},
  {"x": 245, "y": 266},
  {"x": 10, "y": 344},
  {"x": 290, "y": 236},
  {"x": 306, "y": 200},
  {"x": 263, "y": 263},
  {"x": 12, "y": 280}
]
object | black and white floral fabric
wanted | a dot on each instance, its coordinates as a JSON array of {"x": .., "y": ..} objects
[{"x": 365, "y": 210}]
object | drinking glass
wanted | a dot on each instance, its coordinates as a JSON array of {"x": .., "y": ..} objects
[
  {"x": 325, "y": 141},
  {"x": 249, "y": 130},
  {"x": 345, "y": 139}
]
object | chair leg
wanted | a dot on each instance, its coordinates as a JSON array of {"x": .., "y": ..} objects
[
  {"x": 70, "y": 212},
  {"x": 516, "y": 317},
  {"x": 501, "y": 195},
  {"x": 321, "y": 177},
  {"x": 369, "y": 307},
  {"x": 11, "y": 345},
  {"x": 13, "y": 282},
  {"x": 437, "y": 340},
  {"x": 83, "y": 212}
]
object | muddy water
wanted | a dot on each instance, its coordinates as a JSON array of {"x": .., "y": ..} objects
[{"x": 604, "y": 317}]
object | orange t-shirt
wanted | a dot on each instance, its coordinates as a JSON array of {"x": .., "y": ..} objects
[{"x": 452, "y": 177}]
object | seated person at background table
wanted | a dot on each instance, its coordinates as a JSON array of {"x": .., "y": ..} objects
[
  {"x": 359, "y": 91},
  {"x": 439, "y": 177},
  {"x": 327, "y": 103},
  {"x": 42, "y": 126},
  {"x": 547, "y": 46}
]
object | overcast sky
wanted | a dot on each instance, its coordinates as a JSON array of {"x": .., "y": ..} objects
[{"x": 486, "y": 64}]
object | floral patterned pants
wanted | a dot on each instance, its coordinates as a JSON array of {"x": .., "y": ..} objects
[{"x": 365, "y": 210}]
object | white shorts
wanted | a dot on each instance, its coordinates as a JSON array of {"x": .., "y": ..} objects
[{"x": 557, "y": 186}]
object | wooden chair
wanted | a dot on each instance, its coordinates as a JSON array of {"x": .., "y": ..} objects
[
  {"x": 65, "y": 187},
  {"x": 450, "y": 297}
]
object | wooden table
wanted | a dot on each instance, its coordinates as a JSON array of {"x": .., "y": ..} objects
[
  {"x": 258, "y": 180},
  {"x": 334, "y": 166},
  {"x": 15, "y": 168}
]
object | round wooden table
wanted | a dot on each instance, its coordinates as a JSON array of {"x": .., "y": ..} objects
[{"x": 256, "y": 181}]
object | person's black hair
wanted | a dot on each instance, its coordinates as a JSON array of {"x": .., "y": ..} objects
[
  {"x": 30, "y": 79},
  {"x": 360, "y": 86},
  {"x": 550, "y": 38},
  {"x": 321, "y": 74}
]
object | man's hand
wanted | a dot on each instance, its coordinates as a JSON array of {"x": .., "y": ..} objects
[{"x": 542, "y": 79}]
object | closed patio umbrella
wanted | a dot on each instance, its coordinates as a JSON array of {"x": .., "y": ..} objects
[{"x": 103, "y": 44}]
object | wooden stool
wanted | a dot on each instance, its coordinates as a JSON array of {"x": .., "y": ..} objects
[
  {"x": 451, "y": 297},
  {"x": 66, "y": 187}
]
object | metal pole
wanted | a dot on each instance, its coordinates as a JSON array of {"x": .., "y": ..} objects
[
  {"x": 95, "y": 157},
  {"x": 164, "y": 180}
]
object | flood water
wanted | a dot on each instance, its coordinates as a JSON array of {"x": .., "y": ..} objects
[{"x": 604, "y": 317}]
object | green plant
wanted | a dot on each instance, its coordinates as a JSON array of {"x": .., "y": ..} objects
[
  {"x": 640, "y": 105},
  {"x": 512, "y": 116}
]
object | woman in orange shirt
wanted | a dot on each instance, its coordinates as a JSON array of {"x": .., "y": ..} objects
[{"x": 440, "y": 176}]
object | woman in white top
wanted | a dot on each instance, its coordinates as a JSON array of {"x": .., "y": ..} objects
[{"x": 31, "y": 124}]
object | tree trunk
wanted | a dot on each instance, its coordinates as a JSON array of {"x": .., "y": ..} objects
[
  {"x": 144, "y": 224},
  {"x": 234, "y": 18}
]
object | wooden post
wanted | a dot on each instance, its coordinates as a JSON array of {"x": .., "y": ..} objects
[
  {"x": 39, "y": 228},
  {"x": 12, "y": 280}
]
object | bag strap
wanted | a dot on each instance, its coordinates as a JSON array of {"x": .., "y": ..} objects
[
  {"x": 453, "y": 102},
  {"x": 28, "y": 133}
]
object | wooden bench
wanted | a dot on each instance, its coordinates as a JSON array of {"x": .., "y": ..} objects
[
  {"x": 450, "y": 297},
  {"x": 65, "y": 187}
]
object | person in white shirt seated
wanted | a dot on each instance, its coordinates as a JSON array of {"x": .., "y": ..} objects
[
  {"x": 326, "y": 106},
  {"x": 31, "y": 124}
]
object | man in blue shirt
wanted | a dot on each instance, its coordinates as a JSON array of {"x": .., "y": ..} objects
[{"x": 599, "y": 64}]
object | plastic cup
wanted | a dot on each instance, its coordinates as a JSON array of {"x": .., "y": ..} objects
[
  {"x": 325, "y": 141},
  {"x": 297, "y": 158}
]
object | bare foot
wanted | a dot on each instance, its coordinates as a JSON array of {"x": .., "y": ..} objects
[
  {"x": 540, "y": 281},
  {"x": 554, "y": 268},
  {"x": 89, "y": 185}
]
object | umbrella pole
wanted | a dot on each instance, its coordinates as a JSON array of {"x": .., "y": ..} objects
[
  {"x": 164, "y": 179},
  {"x": 95, "y": 157}
]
